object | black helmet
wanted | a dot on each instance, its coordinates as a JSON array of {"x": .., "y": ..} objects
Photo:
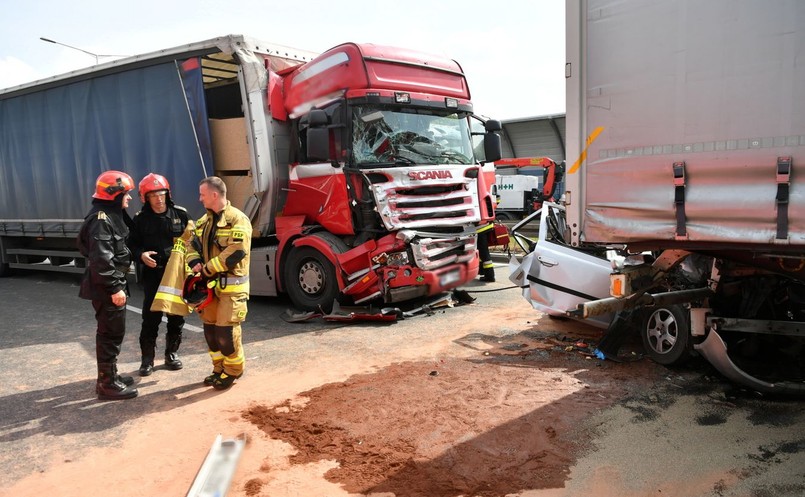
[{"x": 196, "y": 293}]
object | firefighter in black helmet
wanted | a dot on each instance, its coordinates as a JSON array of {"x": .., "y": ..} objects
[{"x": 153, "y": 232}]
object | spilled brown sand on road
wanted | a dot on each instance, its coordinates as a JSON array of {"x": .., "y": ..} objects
[{"x": 505, "y": 421}]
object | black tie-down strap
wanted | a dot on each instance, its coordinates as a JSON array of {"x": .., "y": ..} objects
[
  {"x": 783, "y": 188},
  {"x": 679, "y": 200}
]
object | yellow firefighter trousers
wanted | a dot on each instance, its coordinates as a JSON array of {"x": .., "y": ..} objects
[{"x": 226, "y": 310}]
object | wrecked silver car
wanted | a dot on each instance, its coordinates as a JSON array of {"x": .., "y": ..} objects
[{"x": 746, "y": 321}]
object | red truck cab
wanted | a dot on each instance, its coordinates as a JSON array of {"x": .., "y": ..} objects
[{"x": 385, "y": 190}]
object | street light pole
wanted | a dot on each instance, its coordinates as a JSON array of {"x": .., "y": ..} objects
[
  {"x": 97, "y": 56},
  {"x": 70, "y": 46}
]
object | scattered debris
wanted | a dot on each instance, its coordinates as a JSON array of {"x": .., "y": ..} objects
[
  {"x": 363, "y": 313},
  {"x": 385, "y": 314},
  {"x": 292, "y": 316}
]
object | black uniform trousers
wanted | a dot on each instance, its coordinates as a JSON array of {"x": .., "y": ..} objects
[{"x": 111, "y": 330}]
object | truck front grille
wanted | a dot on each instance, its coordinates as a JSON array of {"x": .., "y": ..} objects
[
  {"x": 406, "y": 204},
  {"x": 432, "y": 253}
]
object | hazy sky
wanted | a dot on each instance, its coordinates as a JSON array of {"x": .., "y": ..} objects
[{"x": 512, "y": 51}]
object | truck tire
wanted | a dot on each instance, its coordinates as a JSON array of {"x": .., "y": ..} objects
[
  {"x": 666, "y": 334},
  {"x": 310, "y": 280},
  {"x": 504, "y": 216}
]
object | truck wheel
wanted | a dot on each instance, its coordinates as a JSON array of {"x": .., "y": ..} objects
[
  {"x": 310, "y": 280},
  {"x": 666, "y": 335},
  {"x": 504, "y": 216}
]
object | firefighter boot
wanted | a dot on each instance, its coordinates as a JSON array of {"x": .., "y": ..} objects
[
  {"x": 126, "y": 380},
  {"x": 224, "y": 381},
  {"x": 108, "y": 387},
  {"x": 147, "y": 364},
  {"x": 210, "y": 380},
  {"x": 172, "y": 361},
  {"x": 488, "y": 274}
]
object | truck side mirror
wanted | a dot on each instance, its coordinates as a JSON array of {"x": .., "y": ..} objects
[
  {"x": 492, "y": 148},
  {"x": 492, "y": 126},
  {"x": 318, "y": 136}
]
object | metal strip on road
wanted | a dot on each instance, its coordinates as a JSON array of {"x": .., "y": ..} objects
[
  {"x": 165, "y": 320},
  {"x": 216, "y": 471}
]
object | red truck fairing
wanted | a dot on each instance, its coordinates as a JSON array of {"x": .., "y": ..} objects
[{"x": 368, "y": 66}]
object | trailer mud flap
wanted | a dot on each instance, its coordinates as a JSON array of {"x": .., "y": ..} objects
[{"x": 714, "y": 350}]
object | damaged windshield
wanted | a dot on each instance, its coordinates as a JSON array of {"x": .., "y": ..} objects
[{"x": 382, "y": 136}]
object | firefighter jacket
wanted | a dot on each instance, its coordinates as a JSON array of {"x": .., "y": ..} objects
[
  {"x": 156, "y": 232},
  {"x": 102, "y": 240},
  {"x": 484, "y": 228},
  {"x": 169, "y": 294},
  {"x": 222, "y": 244}
]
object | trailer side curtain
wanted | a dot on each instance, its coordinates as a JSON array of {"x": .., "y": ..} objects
[
  {"x": 193, "y": 83},
  {"x": 55, "y": 142}
]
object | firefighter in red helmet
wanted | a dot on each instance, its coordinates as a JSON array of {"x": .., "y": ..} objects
[
  {"x": 102, "y": 240},
  {"x": 153, "y": 232}
]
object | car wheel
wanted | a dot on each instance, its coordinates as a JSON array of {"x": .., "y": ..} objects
[
  {"x": 310, "y": 280},
  {"x": 666, "y": 334}
]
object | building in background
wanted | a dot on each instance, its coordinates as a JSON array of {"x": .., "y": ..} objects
[{"x": 538, "y": 136}]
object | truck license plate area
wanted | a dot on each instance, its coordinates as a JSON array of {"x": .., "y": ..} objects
[{"x": 449, "y": 277}]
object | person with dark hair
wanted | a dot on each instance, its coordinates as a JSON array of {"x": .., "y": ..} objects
[
  {"x": 102, "y": 240},
  {"x": 154, "y": 229},
  {"x": 220, "y": 253}
]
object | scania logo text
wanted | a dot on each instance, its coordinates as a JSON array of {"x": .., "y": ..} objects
[{"x": 422, "y": 175}]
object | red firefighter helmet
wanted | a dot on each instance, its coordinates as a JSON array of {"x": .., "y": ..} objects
[
  {"x": 110, "y": 184},
  {"x": 196, "y": 293},
  {"x": 153, "y": 183}
]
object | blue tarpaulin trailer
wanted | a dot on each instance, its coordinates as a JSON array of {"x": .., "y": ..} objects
[{"x": 147, "y": 113}]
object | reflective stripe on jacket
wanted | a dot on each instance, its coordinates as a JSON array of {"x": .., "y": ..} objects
[
  {"x": 169, "y": 294},
  {"x": 225, "y": 242}
]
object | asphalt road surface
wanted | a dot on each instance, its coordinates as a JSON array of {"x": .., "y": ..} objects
[{"x": 609, "y": 429}]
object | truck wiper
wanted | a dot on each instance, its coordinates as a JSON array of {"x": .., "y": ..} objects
[
  {"x": 397, "y": 160},
  {"x": 400, "y": 159},
  {"x": 460, "y": 158}
]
